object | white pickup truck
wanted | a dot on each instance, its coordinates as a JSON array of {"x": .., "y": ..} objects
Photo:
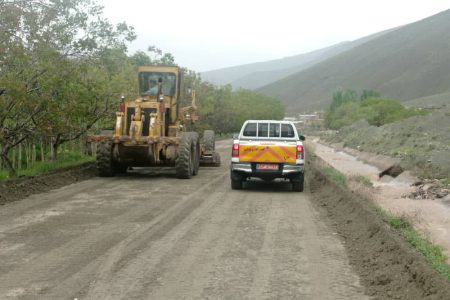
[{"x": 268, "y": 149}]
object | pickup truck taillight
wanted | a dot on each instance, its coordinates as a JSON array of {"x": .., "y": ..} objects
[
  {"x": 300, "y": 152},
  {"x": 235, "y": 152}
]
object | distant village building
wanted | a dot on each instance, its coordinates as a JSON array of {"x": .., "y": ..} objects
[
  {"x": 305, "y": 119},
  {"x": 310, "y": 118}
]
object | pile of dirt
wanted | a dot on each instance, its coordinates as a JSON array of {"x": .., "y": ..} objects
[
  {"x": 388, "y": 267},
  {"x": 429, "y": 189},
  {"x": 19, "y": 188},
  {"x": 420, "y": 143}
]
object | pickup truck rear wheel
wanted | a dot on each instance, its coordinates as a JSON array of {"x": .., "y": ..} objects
[
  {"x": 236, "y": 184},
  {"x": 298, "y": 183},
  {"x": 236, "y": 181}
]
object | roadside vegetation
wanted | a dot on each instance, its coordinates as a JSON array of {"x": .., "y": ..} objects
[
  {"x": 365, "y": 181},
  {"x": 65, "y": 159},
  {"x": 224, "y": 110},
  {"x": 418, "y": 136},
  {"x": 433, "y": 254},
  {"x": 335, "y": 176},
  {"x": 63, "y": 70},
  {"x": 348, "y": 107}
]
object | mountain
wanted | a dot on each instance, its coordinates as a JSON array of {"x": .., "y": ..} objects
[
  {"x": 255, "y": 75},
  {"x": 410, "y": 62}
]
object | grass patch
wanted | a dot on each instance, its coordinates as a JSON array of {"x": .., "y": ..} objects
[
  {"x": 3, "y": 175},
  {"x": 446, "y": 182},
  {"x": 433, "y": 254},
  {"x": 65, "y": 159},
  {"x": 335, "y": 175},
  {"x": 362, "y": 180}
]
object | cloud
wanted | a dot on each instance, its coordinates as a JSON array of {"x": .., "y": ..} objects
[{"x": 210, "y": 34}]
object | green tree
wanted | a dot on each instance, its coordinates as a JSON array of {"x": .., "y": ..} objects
[
  {"x": 42, "y": 39},
  {"x": 365, "y": 94},
  {"x": 342, "y": 96},
  {"x": 345, "y": 110},
  {"x": 140, "y": 58}
]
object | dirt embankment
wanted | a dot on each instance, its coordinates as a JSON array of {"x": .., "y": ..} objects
[
  {"x": 420, "y": 143},
  {"x": 389, "y": 268},
  {"x": 16, "y": 189}
]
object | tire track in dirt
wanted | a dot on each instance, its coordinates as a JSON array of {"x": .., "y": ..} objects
[{"x": 126, "y": 264}]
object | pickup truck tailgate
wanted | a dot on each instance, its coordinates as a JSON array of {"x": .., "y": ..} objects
[{"x": 269, "y": 153}]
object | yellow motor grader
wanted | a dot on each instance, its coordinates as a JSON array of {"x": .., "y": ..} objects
[{"x": 154, "y": 130}]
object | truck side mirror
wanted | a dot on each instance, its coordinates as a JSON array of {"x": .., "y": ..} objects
[{"x": 302, "y": 138}]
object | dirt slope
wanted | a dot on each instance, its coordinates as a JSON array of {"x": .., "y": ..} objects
[
  {"x": 16, "y": 189},
  {"x": 388, "y": 267}
]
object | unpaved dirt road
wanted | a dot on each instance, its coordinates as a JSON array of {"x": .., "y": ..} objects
[{"x": 148, "y": 235}]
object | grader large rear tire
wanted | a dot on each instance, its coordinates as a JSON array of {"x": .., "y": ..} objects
[
  {"x": 196, "y": 152},
  {"x": 104, "y": 162},
  {"x": 184, "y": 163}
]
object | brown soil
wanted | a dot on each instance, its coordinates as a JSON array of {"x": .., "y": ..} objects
[
  {"x": 389, "y": 268},
  {"x": 16, "y": 189}
]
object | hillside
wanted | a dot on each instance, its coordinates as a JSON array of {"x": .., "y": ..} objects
[
  {"x": 433, "y": 101},
  {"x": 421, "y": 143},
  {"x": 409, "y": 62},
  {"x": 255, "y": 75}
]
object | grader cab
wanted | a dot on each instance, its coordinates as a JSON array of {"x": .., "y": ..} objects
[{"x": 155, "y": 129}]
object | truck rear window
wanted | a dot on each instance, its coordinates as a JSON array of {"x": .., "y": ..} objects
[
  {"x": 287, "y": 131},
  {"x": 263, "y": 129},
  {"x": 270, "y": 130},
  {"x": 274, "y": 130},
  {"x": 250, "y": 129}
]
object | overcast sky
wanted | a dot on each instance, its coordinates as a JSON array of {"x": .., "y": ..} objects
[{"x": 210, "y": 34}]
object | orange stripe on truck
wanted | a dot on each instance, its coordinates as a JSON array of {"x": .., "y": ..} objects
[{"x": 267, "y": 153}]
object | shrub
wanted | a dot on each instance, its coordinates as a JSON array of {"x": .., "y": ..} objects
[{"x": 346, "y": 109}]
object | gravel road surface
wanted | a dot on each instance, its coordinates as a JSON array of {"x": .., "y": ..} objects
[{"x": 148, "y": 235}]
